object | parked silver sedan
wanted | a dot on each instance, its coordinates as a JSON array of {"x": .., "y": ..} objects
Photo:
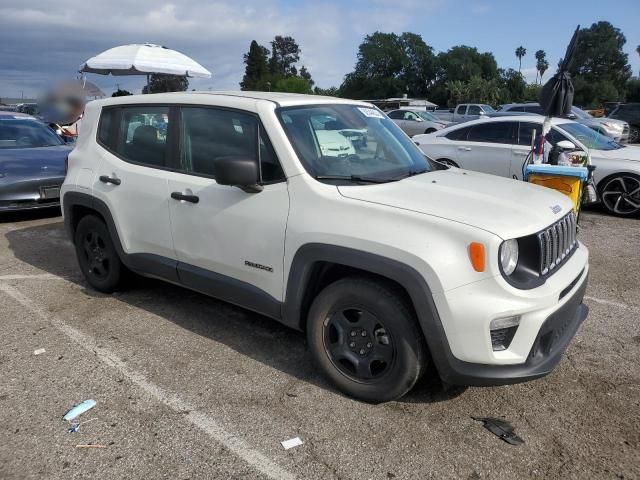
[{"x": 416, "y": 122}]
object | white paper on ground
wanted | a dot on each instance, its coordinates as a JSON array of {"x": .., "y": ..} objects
[
  {"x": 292, "y": 442},
  {"x": 39, "y": 351}
]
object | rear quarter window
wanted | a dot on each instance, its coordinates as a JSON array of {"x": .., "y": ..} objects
[{"x": 104, "y": 127}]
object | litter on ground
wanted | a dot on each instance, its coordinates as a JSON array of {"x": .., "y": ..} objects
[
  {"x": 501, "y": 428},
  {"x": 79, "y": 409},
  {"x": 292, "y": 442},
  {"x": 39, "y": 351}
]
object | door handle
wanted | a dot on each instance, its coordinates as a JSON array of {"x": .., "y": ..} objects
[
  {"x": 111, "y": 180},
  {"x": 464, "y": 149},
  {"x": 186, "y": 198}
]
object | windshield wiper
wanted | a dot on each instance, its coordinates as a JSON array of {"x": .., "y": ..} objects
[
  {"x": 353, "y": 178},
  {"x": 410, "y": 173}
]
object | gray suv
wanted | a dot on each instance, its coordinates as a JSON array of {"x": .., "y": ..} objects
[{"x": 616, "y": 129}]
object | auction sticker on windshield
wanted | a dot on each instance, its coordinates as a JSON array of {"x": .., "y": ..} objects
[{"x": 371, "y": 112}]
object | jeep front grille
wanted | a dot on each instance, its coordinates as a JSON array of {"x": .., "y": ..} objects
[{"x": 557, "y": 242}]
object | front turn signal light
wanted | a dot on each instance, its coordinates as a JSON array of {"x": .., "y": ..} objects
[{"x": 477, "y": 256}]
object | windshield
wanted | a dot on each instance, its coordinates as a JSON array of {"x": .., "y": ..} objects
[
  {"x": 590, "y": 138},
  {"x": 428, "y": 116},
  {"x": 351, "y": 143},
  {"x": 488, "y": 108},
  {"x": 19, "y": 132},
  {"x": 578, "y": 112}
]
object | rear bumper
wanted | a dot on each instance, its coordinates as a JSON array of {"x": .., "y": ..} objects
[{"x": 552, "y": 340}]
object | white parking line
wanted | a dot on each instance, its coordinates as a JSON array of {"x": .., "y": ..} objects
[
  {"x": 43, "y": 276},
  {"x": 198, "y": 418},
  {"x": 609, "y": 302}
]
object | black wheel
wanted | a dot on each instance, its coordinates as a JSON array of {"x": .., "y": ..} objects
[
  {"x": 634, "y": 134},
  {"x": 98, "y": 259},
  {"x": 447, "y": 162},
  {"x": 620, "y": 194},
  {"x": 365, "y": 339}
]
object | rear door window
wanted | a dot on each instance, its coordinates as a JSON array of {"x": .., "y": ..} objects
[
  {"x": 461, "y": 109},
  {"x": 493, "y": 132},
  {"x": 459, "y": 134},
  {"x": 142, "y": 135},
  {"x": 396, "y": 115}
]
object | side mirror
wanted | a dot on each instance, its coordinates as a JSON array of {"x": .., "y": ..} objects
[
  {"x": 566, "y": 145},
  {"x": 482, "y": 113},
  {"x": 571, "y": 116},
  {"x": 238, "y": 172}
]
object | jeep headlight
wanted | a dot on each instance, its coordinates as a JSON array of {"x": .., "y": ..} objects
[{"x": 509, "y": 256}]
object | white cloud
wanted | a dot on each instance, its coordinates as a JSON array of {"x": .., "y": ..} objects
[{"x": 47, "y": 43}]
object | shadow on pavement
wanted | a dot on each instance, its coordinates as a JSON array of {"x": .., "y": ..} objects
[{"x": 47, "y": 248}]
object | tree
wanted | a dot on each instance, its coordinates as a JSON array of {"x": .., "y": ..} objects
[
  {"x": 285, "y": 53},
  {"x": 121, "y": 93},
  {"x": 633, "y": 90},
  {"x": 304, "y": 73},
  {"x": 513, "y": 86},
  {"x": 327, "y": 92},
  {"x": 463, "y": 63},
  {"x": 390, "y": 65},
  {"x": 600, "y": 67},
  {"x": 256, "y": 69},
  {"x": 160, "y": 82},
  {"x": 292, "y": 85},
  {"x": 541, "y": 64},
  {"x": 520, "y": 52}
]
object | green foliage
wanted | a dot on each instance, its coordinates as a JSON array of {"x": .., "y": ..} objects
[
  {"x": 541, "y": 64},
  {"x": 277, "y": 72},
  {"x": 531, "y": 92},
  {"x": 390, "y": 65},
  {"x": 463, "y": 63},
  {"x": 600, "y": 69},
  {"x": 121, "y": 93},
  {"x": 327, "y": 92},
  {"x": 285, "y": 53},
  {"x": 256, "y": 70},
  {"x": 520, "y": 52},
  {"x": 633, "y": 90},
  {"x": 292, "y": 85},
  {"x": 160, "y": 83},
  {"x": 304, "y": 73}
]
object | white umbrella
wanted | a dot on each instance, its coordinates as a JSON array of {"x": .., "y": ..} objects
[{"x": 144, "y": 59}]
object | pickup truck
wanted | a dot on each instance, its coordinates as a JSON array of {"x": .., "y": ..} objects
[{"x": 464, "y": 112}]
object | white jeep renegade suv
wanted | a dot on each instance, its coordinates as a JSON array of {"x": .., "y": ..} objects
[{"x": 386, "y": 259}]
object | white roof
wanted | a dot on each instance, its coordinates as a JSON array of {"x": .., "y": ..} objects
[
  {"x": 281, "y": 99},
  {"x": 507, "y": 118},
  {"x": 140, "y": 59}
]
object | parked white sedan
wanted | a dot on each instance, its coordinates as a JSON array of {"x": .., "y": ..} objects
[
  {"x": 416, "y": 122},
  {"x": 500, "y": 146}
]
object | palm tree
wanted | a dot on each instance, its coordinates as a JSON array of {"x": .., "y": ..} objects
[
  {"x": 520, "y": 52},
  {"x": 541, "y": 64}
]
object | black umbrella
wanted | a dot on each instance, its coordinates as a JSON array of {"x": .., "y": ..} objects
[{"x": 556, "y": 97}]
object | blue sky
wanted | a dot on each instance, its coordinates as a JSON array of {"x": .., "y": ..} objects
[{"x": 40, "y": 45}]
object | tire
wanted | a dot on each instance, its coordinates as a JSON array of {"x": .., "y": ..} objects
[
  {"x": 634, "y": 134},
  {"x": 620, "y": 194},
  {"x": 364, "y": 338},
  {"x": 449, "y": 163},
  {"x": 97, "y": 256}
]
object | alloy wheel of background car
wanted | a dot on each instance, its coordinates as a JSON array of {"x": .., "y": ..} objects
[
  {"x": 621, "y": 195},
  {"x": 634, "y": 135},
  {"x": 358, "y": 344}
]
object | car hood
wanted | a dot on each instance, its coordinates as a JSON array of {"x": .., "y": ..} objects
[
  {"x": 612, "y": 121},
  {"x": 505, "y": 207},
  {"x": 627, "y": 152},
  {"x": 27, "y": 162}
]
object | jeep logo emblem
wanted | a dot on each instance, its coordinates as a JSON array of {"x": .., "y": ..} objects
[{"x": 556, "y": 208}]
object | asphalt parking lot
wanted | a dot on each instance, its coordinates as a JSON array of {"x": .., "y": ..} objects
[{"x": 188, "y": 387}]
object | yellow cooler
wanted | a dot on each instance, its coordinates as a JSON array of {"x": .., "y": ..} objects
[{"x": 567, "y": 180}]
